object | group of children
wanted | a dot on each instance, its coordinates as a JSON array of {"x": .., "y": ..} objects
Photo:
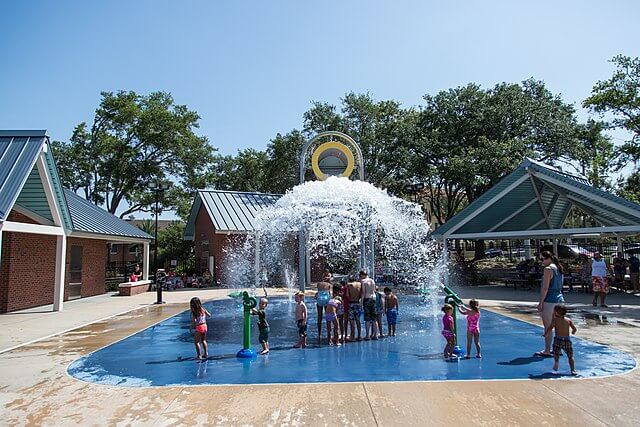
[
  {"x": 340, "y": 312},
  {"x": 560, "y": 325},
  {"x": 335, "y": 309}
]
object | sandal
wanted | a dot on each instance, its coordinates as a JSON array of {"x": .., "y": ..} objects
[{"x": 542, "y": 354}]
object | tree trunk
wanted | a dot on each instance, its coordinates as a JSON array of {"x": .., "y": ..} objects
[{"x": 479, "y": 252}]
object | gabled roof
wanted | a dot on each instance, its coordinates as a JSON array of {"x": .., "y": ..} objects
[
  {"x": 19, "y": 152},
  {"x": 89, "y": 218},
  {"x": 535, "y": 198},
  {"x": 229, "y": 211}
]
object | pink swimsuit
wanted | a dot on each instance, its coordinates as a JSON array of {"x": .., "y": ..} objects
[
  {"x": 447, "y": 324},
  {"x": 473, "y": 323}
]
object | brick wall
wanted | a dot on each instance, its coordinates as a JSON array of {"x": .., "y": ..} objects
[
  {"x": 94, "y": 259},
  {"x": 27, "y": 268}
]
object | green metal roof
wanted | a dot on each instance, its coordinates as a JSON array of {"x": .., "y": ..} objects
[
  {"x": 229, "y": 211},
  {"x": 21, "y": 184},
  {"x": 20, "y": 181},
  {"x": 536, "y": 198},
  {"x": 89, "y": 218}
]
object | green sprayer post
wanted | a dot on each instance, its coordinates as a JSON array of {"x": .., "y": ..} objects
[
  {"x": 453, "y": 299},
  {"x": 248, "y": 303}
]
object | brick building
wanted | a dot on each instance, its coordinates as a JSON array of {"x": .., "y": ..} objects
[{"x": 54, "y": 243}]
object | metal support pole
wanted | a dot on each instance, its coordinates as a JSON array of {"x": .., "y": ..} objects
[
  {"x": 155, "y": 255},
  {"x": 302, "y": 260},
  {"x": 372, "y": 254},
  {"x": 60, "y": 273},
  {"x": 145, "y": 260},
  {"x": 527, "y": 248},
  {"x": 257, "y": 268}
]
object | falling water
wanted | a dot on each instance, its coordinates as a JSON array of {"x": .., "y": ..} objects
[{"x": 337, "y": 215}]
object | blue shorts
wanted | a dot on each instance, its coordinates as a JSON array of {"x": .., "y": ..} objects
[{"x": 392, "y": 316}]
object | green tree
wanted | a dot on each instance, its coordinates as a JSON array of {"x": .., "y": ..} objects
[
  {"x": 629, "y": 187},
  {"x": 381, "y": 128},
  {"x": 171, "y": 244},
  {"x": 134, "y": 140},
  {"x": 148, "y": 226},
  {"x": 596, "y": 154},
  {"x": 283, "y": 154},
  {"x": 468, "y": 138},
  {"x": 619, "y": 97},
  {"x": 244, "y": 172}
]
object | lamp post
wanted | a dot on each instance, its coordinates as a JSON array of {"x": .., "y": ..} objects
[
  {"x": 414, "y": 188},
  {"x": 158, "y": 187}
]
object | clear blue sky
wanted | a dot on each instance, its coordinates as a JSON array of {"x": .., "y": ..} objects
[{"x": 251, "y": 69}]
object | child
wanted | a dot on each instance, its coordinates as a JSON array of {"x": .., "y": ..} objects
[
  {"x": 473, "y": 326},
  {"x": 392, "y": 311},
  {"x": 331, "y": 317},
  {"x": 447, "y": 331},
  {"x": 301, "y": 320},
  {"x": 263, "y": 326},
  {"x": 561, "y": 340},
  {"x": 199, "y": 319},
  {"x": 380, "y": 309}
]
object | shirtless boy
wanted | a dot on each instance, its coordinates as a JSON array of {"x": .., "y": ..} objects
[
  {"x": 562, "y": 339},
  {"x": 354, "y": 290},
  {"x": 301, "y": 320}
]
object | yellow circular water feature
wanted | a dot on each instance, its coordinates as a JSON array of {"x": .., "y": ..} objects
[{"x": 332, "y": 158}]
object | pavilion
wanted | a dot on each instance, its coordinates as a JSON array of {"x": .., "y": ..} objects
[{"x": 534, "y": 201}]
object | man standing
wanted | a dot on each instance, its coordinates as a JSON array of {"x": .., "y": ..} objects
[{"x": 369, "y": 305}]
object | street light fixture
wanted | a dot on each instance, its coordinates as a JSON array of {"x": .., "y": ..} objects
[
  {"x": 158, "y": 187},
  {"x": 414, "y": 188}
]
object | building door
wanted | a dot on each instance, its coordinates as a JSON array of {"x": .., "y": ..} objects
[{"x": 75, "y": 272}]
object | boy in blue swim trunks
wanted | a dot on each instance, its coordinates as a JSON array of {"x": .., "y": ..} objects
[{"x": 392, "y": 311}]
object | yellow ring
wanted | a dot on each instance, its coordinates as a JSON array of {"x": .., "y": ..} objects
[{"x": 326, "y": 146}]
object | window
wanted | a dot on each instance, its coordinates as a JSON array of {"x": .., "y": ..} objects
[
  {"x": 113, "y": 248},
  {"x": 134, "y": 249}
]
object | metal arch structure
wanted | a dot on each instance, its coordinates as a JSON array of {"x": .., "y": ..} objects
[
  {"x": 351, "y": 143},
  {"x": 367, "y": 250}
]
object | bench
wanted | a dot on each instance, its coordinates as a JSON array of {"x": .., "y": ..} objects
[{"x": 134, "y": 288}]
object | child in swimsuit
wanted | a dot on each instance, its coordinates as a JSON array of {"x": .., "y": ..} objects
[
  {"x": 473, "y": 326},
  {"x": 392, "y": 311},
  {"x": 448, "y": 331},
  {"x": 263, "y": 325},
  {"x": 331, "y": 317},
  {"x": 344, "y": 293},
  {"x": 301, "y": 320},
  {"x": 562, "y": 339},
  {"x": 199, "y": 320}
]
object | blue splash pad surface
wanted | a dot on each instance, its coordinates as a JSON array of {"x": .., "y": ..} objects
[{"x": 164, "y": 354}]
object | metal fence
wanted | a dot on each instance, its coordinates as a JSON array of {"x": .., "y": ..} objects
[{"x": 514, "y": 249}]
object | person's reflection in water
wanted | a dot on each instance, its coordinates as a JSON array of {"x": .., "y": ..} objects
[{"x": 202, "y": 369}]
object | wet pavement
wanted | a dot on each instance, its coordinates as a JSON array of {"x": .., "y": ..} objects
[{"x": 35, "y": 388}]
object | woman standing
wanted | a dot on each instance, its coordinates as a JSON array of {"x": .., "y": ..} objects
[
  {"x": 599, "y": 279},
  {"x": 550, "y": 295}
]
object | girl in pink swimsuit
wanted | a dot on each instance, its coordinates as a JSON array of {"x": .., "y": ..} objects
[
  {"x": 447, "y": 331},
  {"x": 199, "y": 320},
  {"x": 473, "y": 326}
]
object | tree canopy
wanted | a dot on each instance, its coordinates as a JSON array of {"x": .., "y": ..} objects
[
  {"x": 619, "y": 98},
  {"x": 135, "y": 140}
]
